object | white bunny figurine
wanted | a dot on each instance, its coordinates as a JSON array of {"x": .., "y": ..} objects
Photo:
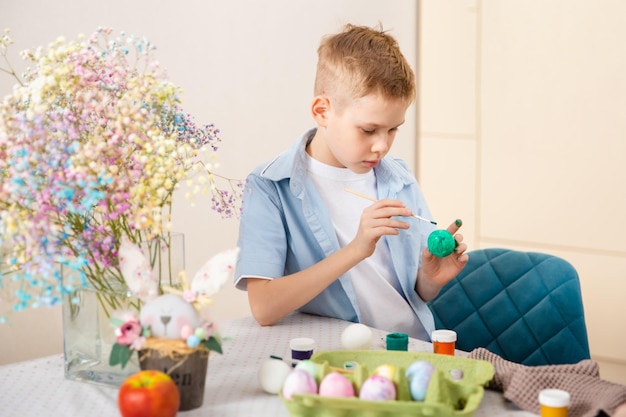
[{"x": 167, "y": 315}]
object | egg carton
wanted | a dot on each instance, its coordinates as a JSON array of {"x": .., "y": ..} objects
[{"x": 446, "y": 394}]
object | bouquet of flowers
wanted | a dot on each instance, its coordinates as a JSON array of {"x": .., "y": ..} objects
[{"x": 93, "y": 144}]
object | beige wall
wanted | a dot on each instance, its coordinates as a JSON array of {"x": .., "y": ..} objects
[
  {"x": 521, "y": 125},
  {"x": 522, "y": 133},
  {"x": 246, "y": 65}
]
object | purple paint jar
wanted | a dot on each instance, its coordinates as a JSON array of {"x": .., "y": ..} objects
[{"x": 301, "y": 349}]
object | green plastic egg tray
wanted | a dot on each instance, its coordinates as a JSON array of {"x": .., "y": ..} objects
[{"x": 444, "y": 397}]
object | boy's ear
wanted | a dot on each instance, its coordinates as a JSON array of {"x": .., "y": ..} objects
[{"x": 320, "y": 109}]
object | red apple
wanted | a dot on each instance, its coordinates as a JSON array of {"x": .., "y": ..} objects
[{"x": 148, "y": 393}]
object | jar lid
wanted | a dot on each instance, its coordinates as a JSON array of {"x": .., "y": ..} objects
[
  {"x": 554, "y": 398},
  {"x": 445, "y": 336},
  {"x": 302, "y": 343}
]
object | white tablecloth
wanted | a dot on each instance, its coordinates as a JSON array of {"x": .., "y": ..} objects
[{"x": 38, "y": 387}]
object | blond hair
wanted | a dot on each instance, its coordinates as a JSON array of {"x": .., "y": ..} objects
[{"x": 360, "y": 61}]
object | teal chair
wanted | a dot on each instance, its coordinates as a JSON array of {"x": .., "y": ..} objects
[{"x": 523, "y": 306}]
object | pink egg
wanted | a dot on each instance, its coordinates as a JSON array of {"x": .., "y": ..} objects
[
  {"x": 336, "y": 385},
  {"x": 299, "y": 382},
  {"x": 186, "y": 331},
  {"x": 378, "y": 388}
]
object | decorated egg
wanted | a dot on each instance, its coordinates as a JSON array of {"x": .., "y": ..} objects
[
  {"x": 388, "y": 371},
  {"x": 441, "y": 243},
  {"x": 356, "y": 336},
  {"x": 335, "y": 384},
  {"x": 186, "y": 331},
  {"x": 309, "y": 366},
  {"x": 272, "y": 375},
  {"x": 298, "y": 382},
  {"x": 419, "y": 374},
  {"x": 378, "y": 388}
]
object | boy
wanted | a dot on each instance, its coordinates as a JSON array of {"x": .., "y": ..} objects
[{"x": 308, "y": 245}]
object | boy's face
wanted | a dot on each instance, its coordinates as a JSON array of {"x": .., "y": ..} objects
[{"x": 359, "y": 133}]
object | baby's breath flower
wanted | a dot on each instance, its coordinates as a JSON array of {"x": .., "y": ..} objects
[{"x": 93, "y": 144}]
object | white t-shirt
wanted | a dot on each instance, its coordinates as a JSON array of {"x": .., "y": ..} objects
[{"x": 376, "y": 286}]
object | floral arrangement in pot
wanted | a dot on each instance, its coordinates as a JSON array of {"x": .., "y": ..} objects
[
  {"x": 173, "y": 332},
  {"x": 93, "y": 144}
]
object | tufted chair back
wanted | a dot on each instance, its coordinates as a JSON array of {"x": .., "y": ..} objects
[{"x": 524, "y": 306}]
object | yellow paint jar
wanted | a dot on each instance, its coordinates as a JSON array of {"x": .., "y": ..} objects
[{"x": 554, "y": 403}]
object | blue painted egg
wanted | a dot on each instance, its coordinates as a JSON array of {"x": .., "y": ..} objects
[{"x": 419, "y": 374}]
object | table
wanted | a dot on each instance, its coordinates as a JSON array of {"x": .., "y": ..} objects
[{"x": 38, "y": 387}]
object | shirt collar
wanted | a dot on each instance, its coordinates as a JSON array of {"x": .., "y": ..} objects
[{"x": 292, "y": 164}]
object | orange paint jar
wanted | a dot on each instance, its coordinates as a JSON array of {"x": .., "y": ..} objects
[
  {"x": 444, "y": 341},
  {"x": 554, "y": 402}
]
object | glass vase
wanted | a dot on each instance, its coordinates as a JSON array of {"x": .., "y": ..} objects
[{"x": 88, "y": 336}]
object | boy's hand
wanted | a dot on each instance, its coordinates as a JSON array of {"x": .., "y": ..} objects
[
  {"x": 437, "y": 272},
  {"x": 376, "y": 221}
]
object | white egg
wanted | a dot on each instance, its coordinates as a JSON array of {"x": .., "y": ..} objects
[
  {"x": 272, "y": 375},
  {"x": 356, "y": 336}
]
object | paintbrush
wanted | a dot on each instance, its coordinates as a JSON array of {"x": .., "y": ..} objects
[{"x": 374, "y": 200}]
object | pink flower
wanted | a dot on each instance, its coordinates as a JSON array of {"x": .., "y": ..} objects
[
  {"x": 209, "y": 328},
  {"x": 128, "y": 332},
  {"x": 189, "y": 296}
]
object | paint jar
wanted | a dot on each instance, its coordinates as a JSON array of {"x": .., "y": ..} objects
[
  {"x": 301, "y": 349},
  {"x": 554, "y": 403},
  {"x": 444, "y": 341},
  {"x": 397, "y": 341}
]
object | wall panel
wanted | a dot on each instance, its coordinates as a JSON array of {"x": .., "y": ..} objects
[{"x": 549, "y": 135}]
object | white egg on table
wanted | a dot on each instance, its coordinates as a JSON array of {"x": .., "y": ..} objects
[
  {"x": 272, "y": 375},
  {"x": 356, "y": 336}
]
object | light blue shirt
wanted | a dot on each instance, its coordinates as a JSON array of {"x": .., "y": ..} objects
[{"x": 285, "y": 228}]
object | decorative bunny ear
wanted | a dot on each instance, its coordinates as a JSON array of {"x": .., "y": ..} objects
[
  {"x": 212, "y": 276},
  {"x": 136, "y": 271}
]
